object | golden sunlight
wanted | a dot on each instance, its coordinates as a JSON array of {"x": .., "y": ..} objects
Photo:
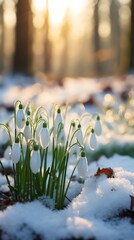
[
  {"x": 38, "y": 6},
  {"x": 9, "y": 14},
  {"x": 9, "y": 18},
  {"x": 58, "y": 8}
]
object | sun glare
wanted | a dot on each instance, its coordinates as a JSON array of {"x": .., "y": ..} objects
[
  {"x": 38, "y": 6},
  {"x": 58, "y": 8}
]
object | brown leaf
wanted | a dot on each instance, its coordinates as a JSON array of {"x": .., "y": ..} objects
[
  {"x": 126, "y": 213},
  {"x": 107, "y": 171},
  {"x": 132, "y": 202}
]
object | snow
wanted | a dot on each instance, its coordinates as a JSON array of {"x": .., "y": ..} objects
[
  {"x": 91, "y": 214},
  {"x": 95, "y": 205}
]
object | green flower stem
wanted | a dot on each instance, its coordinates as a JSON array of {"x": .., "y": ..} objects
[
  {"x": 70, "y": 179},
  {"x": 44, "y": 182},
  {"x": 42, "y": 155},
  {"x": 15, "y": 181},
  {"x": 45, "y": 172},
  {"x": 37, "y": 112},
  {"x": 38, "y": 184},
  {"x": 73, "y": 136},
  {"x": 25, "y": 173},
  {"x": 51, "y": 169},
  {"x": 87, "y": 132},
  {"x": 8, "y": 181},
  {"x": 15, "y": 110},
  {"x": 63, "y": 181}
]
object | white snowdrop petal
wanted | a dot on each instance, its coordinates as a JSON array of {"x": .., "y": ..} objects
[
  {"x": 4, "y": 137},
  {"x": 44, "y": 138},
  {"x": 15, "y": 153},
  {"x": 7, "y": 153},
  {"x": 93, "y": 141},
  {"x": 27, "y": 132},
  {"x": 20, "y": 118},
  {"x": 58, "y": 119},
  {"x": 79, "y": 136},
  {"x": 35, "y": 162},
  {"x": 98, "y": 128},
  {"x": 75, "y": 149},
  {"x": 38, "y": 131},
  {"x": 82, "y": 167}
]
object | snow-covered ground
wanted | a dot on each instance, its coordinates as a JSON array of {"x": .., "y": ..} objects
[
  {"x": 92, "y": 214},
  {"x": 96, "y": 205}
]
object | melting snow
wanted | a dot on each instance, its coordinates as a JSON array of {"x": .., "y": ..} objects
[{"x": 91, "y": 214}]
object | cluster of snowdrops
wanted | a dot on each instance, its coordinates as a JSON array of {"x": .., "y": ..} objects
[{"x": 40, "y": 150}]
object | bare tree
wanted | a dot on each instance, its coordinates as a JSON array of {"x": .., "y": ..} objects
[
  {"x": 131, "y": 64},
  {"x": 1, "y": 38},
  {"x": 115, "y": 35},
  {"x": 23, "y": 47},
  {"x": 65, "y": 29},
  {"x": 96, "y": 37},
  {"x": 47, "y": 44}
]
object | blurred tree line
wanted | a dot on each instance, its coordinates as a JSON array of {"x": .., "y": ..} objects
[{"x": 107, "y": 54}]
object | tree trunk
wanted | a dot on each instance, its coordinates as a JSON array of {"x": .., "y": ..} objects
[
  {"x": 65, "y": 36},
  {"x": 131, "y": 64},
  {"x": 115, "y": 36},
  {"x": 47, "y": 44},
  {"x": 96, "y": 38},
  {"x": 1, "y": 39},
  {"x": 23, "y": 47}
]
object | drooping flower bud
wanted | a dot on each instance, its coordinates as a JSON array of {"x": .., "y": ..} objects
[
  {"x": 79, "y": 135},
  {"x": 16, "y": 151},
  {"x": 58, "y": 118},
  {"x": 44, "y": 136},
  {"x": 82, "y": 166},
  {"x": 98, "y": 127},
  {"x": 38, "y": 131},
  {"x": 75, "y": 149},
  {"x": 20, "y": 117},
  {"x": 27, "y": 131},
  {"x": 7, "y": 153},
  {"x": 4, "y": 136},
  {"x": 35, "y": 160},
  {"x": 93, "y": 140}
]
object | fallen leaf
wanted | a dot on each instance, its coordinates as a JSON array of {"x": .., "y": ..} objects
[
  {"x": 127, "y": 213},
  {"x": 132, "y": 202},
  {"x": 107, "y": 171}
]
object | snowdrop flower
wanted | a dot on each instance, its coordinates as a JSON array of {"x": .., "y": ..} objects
[
  {"x": 35, "y": 160},
  {"x": 79, "y": 134},
  {"x": 75, "y": 149},
  {"x": 20, "y": 117},
  {"x": 38, "y": 131},
  {"x": 16, "y": 151},
  {"x": 7, "y": 153},
  {"x": 27, "y": 131},
  {"x": 4, "y": 137},
  {"x": 44, "y": 136},
  {"x": 98, "y": 127},
  {"x": 58, "y": 118},
  {"x": 73, "y": 125},
  {"x": 93, "y": 140},
  {"x": 82, "y": 166}
]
